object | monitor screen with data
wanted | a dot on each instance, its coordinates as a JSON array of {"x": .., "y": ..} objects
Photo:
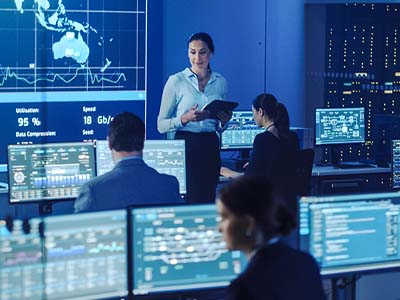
[
  {"x": 49, "y": 171},
  {"x": 179, "y": 248},
  {"x": 166, "y": 156},
  {"x": 86, "y": 256},
  {"x": 240, "y": 132},
  {"x": 351, "y": 233},
  {"x": 339, "y": 125},
  {"x": 67, "y": 67},
  {"x": 21, "y": 262}
]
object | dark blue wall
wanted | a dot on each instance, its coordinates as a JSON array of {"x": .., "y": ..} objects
[
  {"x": 154, "y": 65},
  {"x": 259, "y": 46}
]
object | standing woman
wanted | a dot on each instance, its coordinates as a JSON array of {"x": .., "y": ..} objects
[
  {"x": 252, "y": 220},
  {"x": 185, "y": 93}
]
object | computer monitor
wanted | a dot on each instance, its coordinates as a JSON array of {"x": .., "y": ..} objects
[
  {"x": 86, "y": 256},
  {"x": 240, "y": 132},
  {"x": 104, "y": 160},
  {"x": 396, "y": 164},
  {"x": 166, "y": 156},
  {"x": 43, "y": 172},
  {"x": 339, "y": 125},
  {"x": 351, "y": 233},
  {"x": 21, "y": 262},
  {"x": 178, "y": 248}
]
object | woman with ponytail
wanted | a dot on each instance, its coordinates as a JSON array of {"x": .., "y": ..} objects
[
  {"x": 274, "y": 149},
  {"x": 253, "y": 220}
]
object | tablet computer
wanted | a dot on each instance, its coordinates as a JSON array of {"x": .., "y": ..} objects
[{"x": 217, "y": 106}]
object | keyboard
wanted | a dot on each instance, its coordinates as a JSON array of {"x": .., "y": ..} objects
[{"x": 353, "y": 165}]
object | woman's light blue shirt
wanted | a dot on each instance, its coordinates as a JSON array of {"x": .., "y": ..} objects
[{"x": 181, "y": 92}]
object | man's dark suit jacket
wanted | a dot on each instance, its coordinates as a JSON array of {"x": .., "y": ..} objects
[
  {"x": 278, "y": 272},
  {"x": 131, "y": 182}
]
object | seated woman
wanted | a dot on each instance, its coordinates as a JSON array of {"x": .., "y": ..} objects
[
  {"x": 252, "y": 221},
  {"x": 273, "y": 149}
]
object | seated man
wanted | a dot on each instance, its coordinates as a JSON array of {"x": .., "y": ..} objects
[{"x": 131, "y": 181}]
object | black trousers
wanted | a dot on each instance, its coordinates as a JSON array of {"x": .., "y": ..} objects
[{"x": 203, "y": 163}]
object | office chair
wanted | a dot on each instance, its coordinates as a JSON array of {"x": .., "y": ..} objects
[
  {"x": 299, "y": 185},
  {"x": 303, "y": 170}
]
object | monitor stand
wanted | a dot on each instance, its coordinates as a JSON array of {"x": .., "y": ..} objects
[
  {"x": 338, "y": 164},
  {"x": 45, "y": 208},
  {"x": 344, "y": 288}
]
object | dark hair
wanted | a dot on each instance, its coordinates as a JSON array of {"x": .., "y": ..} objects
[
  {"x": 126, "y": 133},
  {"x": 204, "y": 37},
  {"x": 275, "y": 110},
  {"x": 255, "y": 196}
]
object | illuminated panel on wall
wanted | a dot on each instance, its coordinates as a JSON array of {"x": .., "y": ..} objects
[
  {"x": 396, "y": 164},
  {"x": 49, "y": 171},
  {"x": 351, "y": 233},
  {"x": 86, "y": 256},
  {"x": 68, "y": 67},
  {"x": 179, "y": 248},
  {"x": 21, "y": 267},
  {"x": 352, "y": 62},
  {"x": 166, "y": 156},
  {"x": 339, "y": 125},
  {"x": 240, "y": 132}
]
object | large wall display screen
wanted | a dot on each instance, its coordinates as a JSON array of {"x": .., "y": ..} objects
[{"x": 67, "y": 67}]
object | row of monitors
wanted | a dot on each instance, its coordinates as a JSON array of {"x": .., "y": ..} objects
[
  {"x": 164, "y": 250},
  {"x": 332, "y": 126},
  {"x": 56, "y": 171},
  {"x": 149, "y": 251}
]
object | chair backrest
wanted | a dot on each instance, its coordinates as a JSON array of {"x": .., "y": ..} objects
[{"x": 303, "y": 171}]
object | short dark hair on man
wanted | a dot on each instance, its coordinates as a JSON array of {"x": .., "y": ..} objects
[{"x": 126, "y": 133}]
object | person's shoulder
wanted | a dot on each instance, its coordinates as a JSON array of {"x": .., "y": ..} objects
[
  {"x": 264, "y": 136},
  {"x": 179, "y": 75},
  {"x": 101, "y": 179},
  {"x": 218, "y": 75},
  {"x": 295, "y": 254},
  {"x": 159, "y": 175},
  {"x": 168, "y": 178},
  {"x": 238, "y": 289}
]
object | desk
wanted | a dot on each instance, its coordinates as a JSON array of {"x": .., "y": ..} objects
[
  {"x": 329, "y": 180},
  {"x": 331, "y": 171}
]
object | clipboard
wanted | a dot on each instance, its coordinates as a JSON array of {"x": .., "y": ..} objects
[{"x": 217, "y": 106}]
